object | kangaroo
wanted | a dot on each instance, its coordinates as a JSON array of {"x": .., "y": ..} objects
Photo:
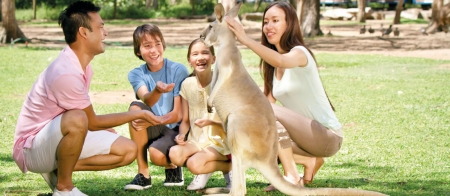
[{"x": 247, "y": 115}]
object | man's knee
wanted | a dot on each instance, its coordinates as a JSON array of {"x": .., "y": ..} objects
[
  {"x": 75, "y": 121},
  {"x": 126, "y": 148}
]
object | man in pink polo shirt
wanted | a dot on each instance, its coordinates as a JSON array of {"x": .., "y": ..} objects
[{"x": 57, "y": 130}]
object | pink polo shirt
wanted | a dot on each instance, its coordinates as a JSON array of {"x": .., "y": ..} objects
[{"x": 61, "y": 87}]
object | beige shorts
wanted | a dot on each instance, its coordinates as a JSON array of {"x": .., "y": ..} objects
[{"x": 41, "y": 157}]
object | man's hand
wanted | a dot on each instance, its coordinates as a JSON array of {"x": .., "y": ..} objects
[
  {"x": 163, "y": 87},
  {"x": 140, "y": 125},
  {"x": 149, "y": 120}
]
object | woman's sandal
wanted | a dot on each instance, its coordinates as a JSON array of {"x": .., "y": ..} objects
[{"x": 272, "y": 188}]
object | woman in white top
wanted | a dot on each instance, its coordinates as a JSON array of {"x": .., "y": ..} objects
[{"x": 308, "y": 128}]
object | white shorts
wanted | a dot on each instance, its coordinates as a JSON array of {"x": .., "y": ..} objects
[{"x": 41, "y": 157}]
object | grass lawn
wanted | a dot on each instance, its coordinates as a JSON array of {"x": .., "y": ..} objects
[{"x": 395, "y": 112}]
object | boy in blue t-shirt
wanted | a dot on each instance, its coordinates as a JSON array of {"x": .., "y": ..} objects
[{"x": 157, "y": 84}]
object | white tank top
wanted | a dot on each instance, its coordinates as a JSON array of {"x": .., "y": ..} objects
[{"x": 301, "y": 90}]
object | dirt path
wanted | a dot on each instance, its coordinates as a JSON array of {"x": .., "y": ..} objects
[{"x": 345, "y": 39}]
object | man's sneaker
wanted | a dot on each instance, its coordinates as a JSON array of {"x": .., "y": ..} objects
[
  {"x": 174, "y": 177},
  {"x": 140, "y": 182},
  {"x": 228, "y": 179},
  {"x": 51, "y": 179},
  {"x": 199, "y": 182}
]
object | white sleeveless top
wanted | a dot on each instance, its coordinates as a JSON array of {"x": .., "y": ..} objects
[{"x": 301, "y": 90}]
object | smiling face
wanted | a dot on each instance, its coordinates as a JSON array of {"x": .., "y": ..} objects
[
  {"x": 96, "y": 34},
  {"x": 274, "y": 25},
  {"x": 152, "y": 50},
  {"x": 201, "y": 58}
]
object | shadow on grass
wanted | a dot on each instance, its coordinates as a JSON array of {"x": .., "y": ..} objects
[
  {"x": 95, "y": 183},
  {"x": 390, "y": 187},
  {"x": 114, "y": 186},
  {"x": 6, "y": 158}
]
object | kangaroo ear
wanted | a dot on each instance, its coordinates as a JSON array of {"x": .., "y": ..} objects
[
  {"x": 219, "y": 11},
  {"x": 233, "y": 12}
]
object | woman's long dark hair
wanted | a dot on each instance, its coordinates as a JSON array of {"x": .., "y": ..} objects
[{"x": 292, "y": 37}]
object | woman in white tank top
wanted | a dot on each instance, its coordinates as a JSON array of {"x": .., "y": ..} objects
[{"x": 307, "y": 125}]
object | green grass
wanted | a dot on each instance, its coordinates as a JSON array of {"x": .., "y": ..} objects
[{"x": 395, "y": 112}]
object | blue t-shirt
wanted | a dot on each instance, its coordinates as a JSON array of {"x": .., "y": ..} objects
[{"x": 171, "y": 72}]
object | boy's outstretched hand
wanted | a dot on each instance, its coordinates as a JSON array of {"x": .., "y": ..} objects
[{"x": 163, "y": 87}]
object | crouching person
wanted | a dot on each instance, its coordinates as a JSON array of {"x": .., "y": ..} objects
[{"x": 57, "y": 130}]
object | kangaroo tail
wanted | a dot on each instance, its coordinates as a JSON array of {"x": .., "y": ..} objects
[{"x": 272, "y": 173}]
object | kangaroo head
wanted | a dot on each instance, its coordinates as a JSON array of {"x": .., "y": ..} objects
[{"x": 217, "y": 28}]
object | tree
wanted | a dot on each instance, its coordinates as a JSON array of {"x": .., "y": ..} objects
[
  {"x": 440, "y": 17},
  {"x": 155, "y": 4},
  {"x": 310, "y": 22},
  {"x": 299, "y": 4},
  {"x": 34, "y": 9},
  {"x": 152, "y": 4},
  {"x": 115, "y": 9},
  {"x": 361, "y": 17},
  {"x": 192, "y": 2},
  {"x": 257, "y": 5},
  {"x": 398, "y": 11},
  {"x": 9, "y": 21}
]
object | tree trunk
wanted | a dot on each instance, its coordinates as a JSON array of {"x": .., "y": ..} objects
[
  {"x": 435, "y": 6},
  {"x": 155, "y": 4},
  {"x": 192, "y": 2},
  {"x": 115, "y": 9},
  {"x": 434, "y": 26},
  {"x": 398, "y": 11},
  {"x": 34, "y": 9},
  {"x": 299, "y": 7},
  {"x": 257, "y": 5},
  {"x": 148, "y": 4},
  {"x": 293, "y": 3},
  {"x": 9, "y": 21},
  {"x": 311, "y": 18},
  {"x": 361, "y": 17}
]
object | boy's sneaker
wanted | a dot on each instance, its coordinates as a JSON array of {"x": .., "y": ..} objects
[
  {"x": 51, "y": 179},
  {"x": 140, "y": 182},
  {"x": 174, "y": 177},
  {"x": 228, "y": 179},
  {"x": 199, "y": 182}
]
